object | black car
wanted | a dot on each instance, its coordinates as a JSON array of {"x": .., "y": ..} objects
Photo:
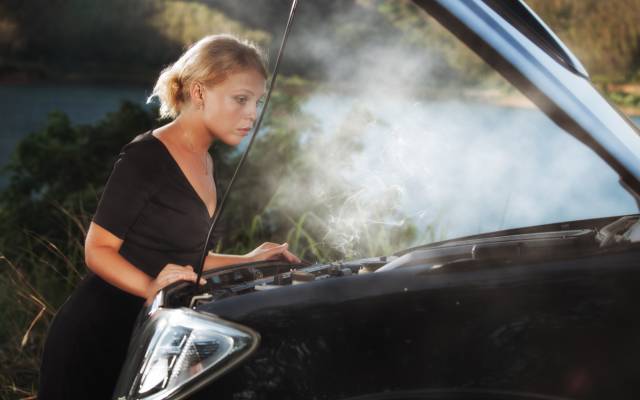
[{"x": 537, "y": 312}]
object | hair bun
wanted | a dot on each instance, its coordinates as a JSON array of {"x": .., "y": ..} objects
[{"x": 176, "y": 86}]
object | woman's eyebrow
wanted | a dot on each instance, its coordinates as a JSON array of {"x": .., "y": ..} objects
[
  {"x": 252, "y": 93},
  {"x": 247, "y": 90}
]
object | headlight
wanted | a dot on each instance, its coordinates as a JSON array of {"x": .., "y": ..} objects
[{"x": 177, "y": 351}]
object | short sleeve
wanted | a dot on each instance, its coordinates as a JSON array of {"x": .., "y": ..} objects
[{"x": 128, "y": 189}]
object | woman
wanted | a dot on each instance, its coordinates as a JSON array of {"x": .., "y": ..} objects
[{"x": 152, "y": 219}]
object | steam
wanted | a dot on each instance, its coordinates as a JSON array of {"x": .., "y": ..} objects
[{"x": 399, "y": 157}]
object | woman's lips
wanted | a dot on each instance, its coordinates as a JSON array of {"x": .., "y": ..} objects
[{"x": 244, "y": 131}]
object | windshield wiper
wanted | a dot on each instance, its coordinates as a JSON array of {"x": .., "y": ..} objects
[
  {"x": 545, "y": 235},
  {"x": 512, "y": 247}
]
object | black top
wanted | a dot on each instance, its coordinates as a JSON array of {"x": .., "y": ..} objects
[{"x": 149, "y": 203}]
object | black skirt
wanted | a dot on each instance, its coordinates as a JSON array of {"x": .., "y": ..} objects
[{"x": 87, "y": 342}]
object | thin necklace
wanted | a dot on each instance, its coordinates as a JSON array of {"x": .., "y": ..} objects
[
  {"x": 205, "y": 163},
  {"x": 210, "y": 185}
]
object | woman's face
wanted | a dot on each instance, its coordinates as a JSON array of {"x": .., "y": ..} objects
[{"x": 230, "y": 107}]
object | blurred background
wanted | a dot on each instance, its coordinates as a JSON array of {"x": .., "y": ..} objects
[{"x": 384, "y": 130}]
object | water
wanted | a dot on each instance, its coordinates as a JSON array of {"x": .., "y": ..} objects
[{"x": 26, "y": 108}]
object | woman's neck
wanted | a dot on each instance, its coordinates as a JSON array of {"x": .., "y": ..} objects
[{"x": 192, "y": 134}]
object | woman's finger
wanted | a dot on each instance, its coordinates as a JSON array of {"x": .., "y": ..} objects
[
  {"x": 282, "y": 252},
  {"x": 291, "y": 257}
]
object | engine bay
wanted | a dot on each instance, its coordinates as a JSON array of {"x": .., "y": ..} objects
[
  {"x": 258, "y": 276},
  {"x": 614, "y": 234}
]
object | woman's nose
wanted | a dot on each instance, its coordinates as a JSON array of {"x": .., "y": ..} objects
[{"x": 252, "y": 113}]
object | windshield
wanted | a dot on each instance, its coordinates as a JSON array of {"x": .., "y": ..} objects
[{"x": 403, "y": 136}]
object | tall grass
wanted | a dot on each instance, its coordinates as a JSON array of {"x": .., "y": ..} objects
[{"x": 32, "y": 288}]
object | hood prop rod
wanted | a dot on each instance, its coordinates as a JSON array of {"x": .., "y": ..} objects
[{"x": 216, "y": 216}]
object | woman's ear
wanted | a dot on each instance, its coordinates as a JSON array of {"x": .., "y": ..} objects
[{"x": 197, "y": 94}]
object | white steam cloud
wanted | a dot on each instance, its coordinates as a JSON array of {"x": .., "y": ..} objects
[{"x": 386, "y": 153}]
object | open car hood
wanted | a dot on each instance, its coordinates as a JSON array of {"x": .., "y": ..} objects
[
  {"x": 519, "y": 46},
  {"x": 513, "y": 40}
]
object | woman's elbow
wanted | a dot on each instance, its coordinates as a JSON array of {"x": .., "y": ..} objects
[
  {"x": 89, "y": 255},
  {"x": 97, "y": 244}
]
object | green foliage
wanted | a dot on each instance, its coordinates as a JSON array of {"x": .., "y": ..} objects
[
  {"x": 56, "y": 175},
  {"x": 604, "y": 35},
  {"x": 625, "y": 99},
  {"x": 61, "y": 166},
  {"x": 106, "y": 40},
  {"x": 130, "y": 41},
  {"x": 185, "y": 22},
  {"x": 26, "y": 315}
]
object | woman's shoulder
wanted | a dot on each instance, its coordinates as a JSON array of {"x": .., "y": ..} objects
[
  {"x": 143, "y": 143},
  {"x": 144, "y": 146},
  {"x": 143, "y": 154}
]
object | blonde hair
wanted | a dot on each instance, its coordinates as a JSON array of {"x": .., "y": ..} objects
[{"x": 210, "y": 60}]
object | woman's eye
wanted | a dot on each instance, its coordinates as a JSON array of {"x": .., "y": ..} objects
[{"x": 241, "y": 99}]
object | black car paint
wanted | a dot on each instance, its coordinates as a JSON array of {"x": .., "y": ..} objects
[{"x": 552, "y": 328}]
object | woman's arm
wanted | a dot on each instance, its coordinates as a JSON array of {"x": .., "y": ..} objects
[
  {"x": 101, "y": 256},
  {"x": 217, "y": 260},
  {"x": 266, "y": 251}
]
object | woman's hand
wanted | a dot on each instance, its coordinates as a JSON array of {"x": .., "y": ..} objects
[
  {"x": 171, "y": 273},
  {"x": 272, "y": 251}
]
